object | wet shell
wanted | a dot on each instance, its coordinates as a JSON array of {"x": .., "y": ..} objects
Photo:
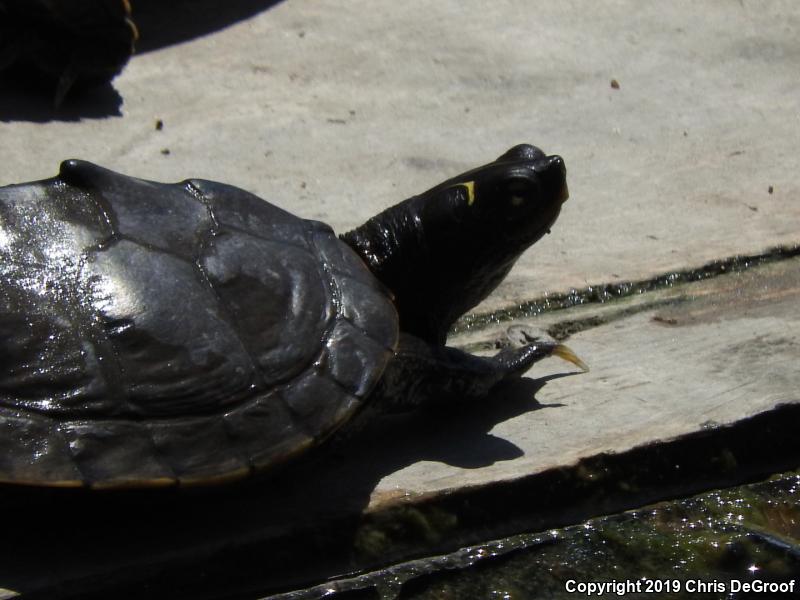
[{"x": 155, "y": 334}]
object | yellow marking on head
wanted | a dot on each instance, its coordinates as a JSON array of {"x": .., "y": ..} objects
[{"x": 470, "y": 187}]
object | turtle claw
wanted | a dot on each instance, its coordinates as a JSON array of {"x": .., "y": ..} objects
[
  {"x": 513, "y": 362},
  {"x": 523, "y": 347},
  {"x": 564, "y": 352}
]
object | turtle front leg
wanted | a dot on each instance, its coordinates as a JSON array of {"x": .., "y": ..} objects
[{"x": 425, "y": 374}]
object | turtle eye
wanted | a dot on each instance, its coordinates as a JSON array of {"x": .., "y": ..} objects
[{"x": 519, "y": 192}]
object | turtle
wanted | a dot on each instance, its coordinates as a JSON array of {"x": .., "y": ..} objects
[
  {"x": 66, "y": 43},
  {"x": 193, "y": 333}
]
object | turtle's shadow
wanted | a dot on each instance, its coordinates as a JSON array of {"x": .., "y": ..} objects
[
  {"x": 24, "y": 100},
  {"x": 248, "y": 537},
  {"x": 28, "y": 95},
  {"x": 455, "y": 435},
  {"x": 163, "y": 24}
]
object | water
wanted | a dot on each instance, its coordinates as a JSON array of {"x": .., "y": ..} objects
[{"x": 708, "y": 546}]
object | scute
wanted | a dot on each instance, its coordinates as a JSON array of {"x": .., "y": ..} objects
[
  {"x": 174, "y": 333},
  {"x": 172, "y": 362},
  {"x": 353, "y": 358},
  {"x": 368, "y": 309},
  {"x": 267, "y": 430},
  {"x": 157, "y": 215},
  {"x": 213, "y": 454},
  {"x": 308, "y": 400},
  {"x": 42, "y": 338},
  {"x": 115, "y": 453},
  {"x": 33, "y": 451},
  {"x": 262, "y": 296},
  {"x": 237, "y": 209}
]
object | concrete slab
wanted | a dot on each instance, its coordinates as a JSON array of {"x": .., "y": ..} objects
[
  {"x": 335, "y": 112},
  {"x": 663, "y": 365}
]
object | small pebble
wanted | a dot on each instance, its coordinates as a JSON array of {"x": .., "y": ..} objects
[{"x": 614, "y": 84}]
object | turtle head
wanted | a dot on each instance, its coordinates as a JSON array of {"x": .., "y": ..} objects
[
  {"x": 493, "y": 213},
  {"x": 444, "y": 251}
]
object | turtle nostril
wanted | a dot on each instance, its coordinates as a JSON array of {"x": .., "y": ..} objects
[{"x": 550, "y": 163}]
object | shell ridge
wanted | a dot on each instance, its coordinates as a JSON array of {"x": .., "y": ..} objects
[
  {"x": 367, "y": 333},
  {"x": 329, "y": 272},
  {"x": 159, "y": 454},
  {"x": 205, "y": 243},
  {"x": 90, "y": 325}
]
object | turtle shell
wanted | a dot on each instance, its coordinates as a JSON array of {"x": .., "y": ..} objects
[{"x": 155, "y": 334}]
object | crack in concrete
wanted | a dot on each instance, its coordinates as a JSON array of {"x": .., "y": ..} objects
[
  {"x": 607, "y": 292},
  {"x": 562, "y": 330}
]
